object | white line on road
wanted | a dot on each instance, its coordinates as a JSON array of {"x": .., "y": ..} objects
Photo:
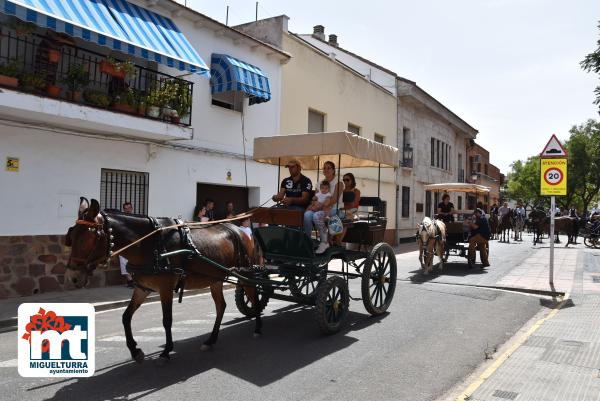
[{"x": 11, "y": 363}]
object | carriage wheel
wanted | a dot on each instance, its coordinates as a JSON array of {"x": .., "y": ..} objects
[
  {"x": 304, "y": 287},
  {"x": 243, "y": 303},
  {"x": 379, "y": 279},
  {"x": 331, "y": 304}
]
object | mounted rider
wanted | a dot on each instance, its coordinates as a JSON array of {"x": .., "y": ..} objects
[
  {"x": 520, "y": 212},
  {"x": 503, "y": 211}
]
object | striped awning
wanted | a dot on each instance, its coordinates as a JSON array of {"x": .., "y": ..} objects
[
  {"x": 116, "y": 24},
  {"x": 230, "y": 74}
]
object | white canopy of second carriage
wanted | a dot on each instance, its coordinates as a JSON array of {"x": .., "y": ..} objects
[
  {"x": 313, "y": 149},
  {"x": 457, "y": 187}
]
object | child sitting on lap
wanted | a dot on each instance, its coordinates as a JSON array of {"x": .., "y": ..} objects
[{"x": 320, "y": 197}]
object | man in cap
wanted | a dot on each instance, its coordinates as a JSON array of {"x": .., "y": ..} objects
[
  {"x": 294, "y": 191},
  {"x": 480, "y": 235}
]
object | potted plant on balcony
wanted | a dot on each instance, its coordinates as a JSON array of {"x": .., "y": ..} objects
[
  {"x": 53, "y": 56},
  {"x": 32, "y": 82},
  {"x": 96, "y": 98},
  {"x": 182, "y": 101},
  {"x": 117, "y": 69},
  {"x": 77, "y": 77},
  {"x": 169, "y": 95},
  {"x": 9, "y": 74},
  {"x": 154, "y": 102},
  {"x": 125, "y": 101},
  {"x": 142, "y": 104}
]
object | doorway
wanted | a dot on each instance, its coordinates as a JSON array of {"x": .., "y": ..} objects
[{"x": 221, "y": 194}]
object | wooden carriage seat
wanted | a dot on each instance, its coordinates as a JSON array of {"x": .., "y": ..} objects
[
  {"x": 278, "y": 216},
  {"x": 369, "y": 229}
]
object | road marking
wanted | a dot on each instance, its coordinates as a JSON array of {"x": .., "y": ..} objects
[
  {"x": 11, "y": 363},
  {"x": 465, "y": 395}
]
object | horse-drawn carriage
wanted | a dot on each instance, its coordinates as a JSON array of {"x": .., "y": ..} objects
[
  {"x": 457, "y": 231},
  {"x": 166, "y": 254},
  {"x": 304, "y": 276}
]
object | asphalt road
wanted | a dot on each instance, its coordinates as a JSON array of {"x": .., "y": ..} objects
[{"x": 432, "y": 338}]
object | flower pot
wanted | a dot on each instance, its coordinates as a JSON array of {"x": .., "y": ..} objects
[
  {"x": 153, "y": 111},
  {"x": 175, "y": 119},
  {"x": 9, "y": 81},
  {"x": 53, "y": 90},
  {"x": 109, "y": 69},
  {"x": 125, "y": 108},
  {"x": 141, "y": 110},
  {"x": 74, "y": 96},
  {"x": 53, "y": 56}
]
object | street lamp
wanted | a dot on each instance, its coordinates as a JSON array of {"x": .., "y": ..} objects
[
  {"x": 407, "y": 153},
  {"x": 474, "y": 177}
]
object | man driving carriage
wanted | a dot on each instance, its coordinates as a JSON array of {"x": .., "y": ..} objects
[
  {"x": 479, "y": 237},
  {"x": 294, "y": 191}
]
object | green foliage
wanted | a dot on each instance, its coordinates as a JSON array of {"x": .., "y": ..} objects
[
  {"x": 181, "y": 100},
  {"x": 96, "y": 98},
  {"x": 127, "y": 66},
  {"x": 11, "y": 69},
  {"x": 524, "y": 181},
  {"x": 591, "y": 63},
  {"x": 129, "y": 96},
  {"x": 77, "y": 77},
  {"x": 30, "y": 81}
]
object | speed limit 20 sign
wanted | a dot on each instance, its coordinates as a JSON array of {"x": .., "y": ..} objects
[{"x": 553, "y": 177}]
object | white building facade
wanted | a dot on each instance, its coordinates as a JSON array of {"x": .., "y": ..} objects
[{"x": 58, "y": 149}]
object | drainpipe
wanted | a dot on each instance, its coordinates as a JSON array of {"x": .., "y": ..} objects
[{"x": 399, "y": 169}]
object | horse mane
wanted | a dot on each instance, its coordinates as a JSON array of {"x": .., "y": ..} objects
[{"x": 429, "y": 226}]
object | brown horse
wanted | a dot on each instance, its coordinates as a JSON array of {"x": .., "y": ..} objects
[
  {"x": 96, "y": 233},
  {"x": 493, "y": 226}
]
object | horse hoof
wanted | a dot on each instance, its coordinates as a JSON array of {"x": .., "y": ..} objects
[
  {"x": 162, "y": 360},
  {"x": 139, "y": 355},
  {"x": 205, "y": 347},
  {"x": 257, "y": 335}
]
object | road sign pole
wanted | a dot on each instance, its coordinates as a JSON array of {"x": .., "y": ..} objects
[{"x": 552, "y": 205}]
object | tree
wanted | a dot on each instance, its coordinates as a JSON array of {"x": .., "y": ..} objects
[
  {"x": 591, "y": 63},
  {"x": 524, "y": 181},
  {"x": 583, "y": 178}
]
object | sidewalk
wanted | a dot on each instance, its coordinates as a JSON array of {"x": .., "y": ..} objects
[{"x": 558, "y": 357}]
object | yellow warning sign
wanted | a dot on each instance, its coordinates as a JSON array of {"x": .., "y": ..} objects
[
  {"x": 553, "y": 177},
  {"x": 12, "y": 164}
]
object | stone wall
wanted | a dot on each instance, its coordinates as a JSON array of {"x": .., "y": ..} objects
[{"x": 36, "y": 264}]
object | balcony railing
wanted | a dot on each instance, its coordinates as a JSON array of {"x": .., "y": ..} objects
[
  {"x": 407, "y": 157},
  {"x": 52, "y": 66}
]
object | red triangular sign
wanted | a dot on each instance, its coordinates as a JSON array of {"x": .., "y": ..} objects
[{"x": 554, "y": 148}]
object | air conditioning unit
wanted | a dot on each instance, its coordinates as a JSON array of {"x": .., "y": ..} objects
[{"x": 477, "y": 159}]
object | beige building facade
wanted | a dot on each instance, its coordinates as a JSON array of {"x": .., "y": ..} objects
[{"x": 321, "y": 94}]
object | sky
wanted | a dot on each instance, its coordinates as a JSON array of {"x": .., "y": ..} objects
[{"x": 509, "y": 68}]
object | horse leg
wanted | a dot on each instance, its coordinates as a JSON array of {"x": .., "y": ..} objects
[
  {"x": 166, "y": 301},
  {"x": 252, "y": 293},
  {"x": 138, "y": 298},
  {"x": 441, "y": 255},
  {"x": 216, "y": 290}
]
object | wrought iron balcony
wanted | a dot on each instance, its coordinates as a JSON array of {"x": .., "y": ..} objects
[
  {"x": 407, "y": 157},
  {"x": 52, "y": 66}
]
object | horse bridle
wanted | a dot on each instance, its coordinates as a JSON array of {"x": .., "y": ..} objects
[
  {"x": 88, "y": 264},
  {"x": 426, "y": 252}
]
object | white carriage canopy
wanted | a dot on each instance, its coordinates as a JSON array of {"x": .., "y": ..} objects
[
  {"x": 313, "y": 149},
  {"x": 457, "y": 187}
]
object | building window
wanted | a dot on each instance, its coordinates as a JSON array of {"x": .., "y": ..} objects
[
  {"x": 405, "y": 137},
  {"x": 485, "y": 169},
  {"x": 432, "y": 152},
  {"x": 428, "y": 203},
  {"x": 437, "y": 159},
  {"x": 405, "y": 201},
  {"x": 316, "y": 121},
  {"x": 355, "y": 129},
  {"x": 229, "y": 100},
  {"x": 459, "y": 202},
  {"x": 379, "y": 138},
  {"x": 436, "y": 201},
  {"x": 119, "y": 186}
]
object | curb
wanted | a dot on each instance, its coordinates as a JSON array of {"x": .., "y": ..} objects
[{"x": 10, "y": 324}]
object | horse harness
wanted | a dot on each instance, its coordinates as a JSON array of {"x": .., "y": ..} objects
[{"x": 436, "y": 237}]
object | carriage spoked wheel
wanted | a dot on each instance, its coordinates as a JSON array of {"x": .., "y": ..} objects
[
  {"x": 331, "y": 304},
  {"x": 379, "y": 279},
  {"x": 304, "y": 287},
  {"x": 243, "y": 303}
]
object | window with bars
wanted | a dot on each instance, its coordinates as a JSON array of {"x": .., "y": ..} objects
[
  {"x": 120, "y": 186},
  {"x": 441, "y": 154}
]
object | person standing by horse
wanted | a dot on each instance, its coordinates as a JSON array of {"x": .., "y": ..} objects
[
  {"x": 294, "y": 191},
  {"x": 127, "y": 208},
  {"x": 445, "y": 209},
  {"x": 479, "y": 237}
]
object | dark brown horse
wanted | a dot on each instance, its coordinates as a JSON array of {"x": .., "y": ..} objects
[
  {"x": 96, "y": 233},
  {"x": 505, "y": 224},
  {"x": 493, "y": 226}
]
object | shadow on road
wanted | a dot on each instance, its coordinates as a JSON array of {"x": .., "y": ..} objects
[
  {"x": 291, "y": 341},
  {"x": 455, "y": 269}
]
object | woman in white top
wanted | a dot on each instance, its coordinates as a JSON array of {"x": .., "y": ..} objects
[{"x": 318, "y": 218}]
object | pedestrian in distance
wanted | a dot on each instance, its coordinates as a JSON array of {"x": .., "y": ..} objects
[{"x": 127, "y": 208}]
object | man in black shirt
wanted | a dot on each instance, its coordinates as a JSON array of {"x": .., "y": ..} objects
[
  {"x": 445, "y": 209},
  {"x": 480, "y": 235},
  {"x": 294, "y": 191}
]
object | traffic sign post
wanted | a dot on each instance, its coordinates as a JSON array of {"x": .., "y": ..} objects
[{"x": 553, "y": 182}]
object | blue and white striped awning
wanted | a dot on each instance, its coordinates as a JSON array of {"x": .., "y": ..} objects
[
  {"x": 230, "y": 74},
  {"x": 116, "y": 24}
]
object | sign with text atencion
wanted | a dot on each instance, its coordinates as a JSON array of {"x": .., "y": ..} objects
[{"x": 553, "y": 177}]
